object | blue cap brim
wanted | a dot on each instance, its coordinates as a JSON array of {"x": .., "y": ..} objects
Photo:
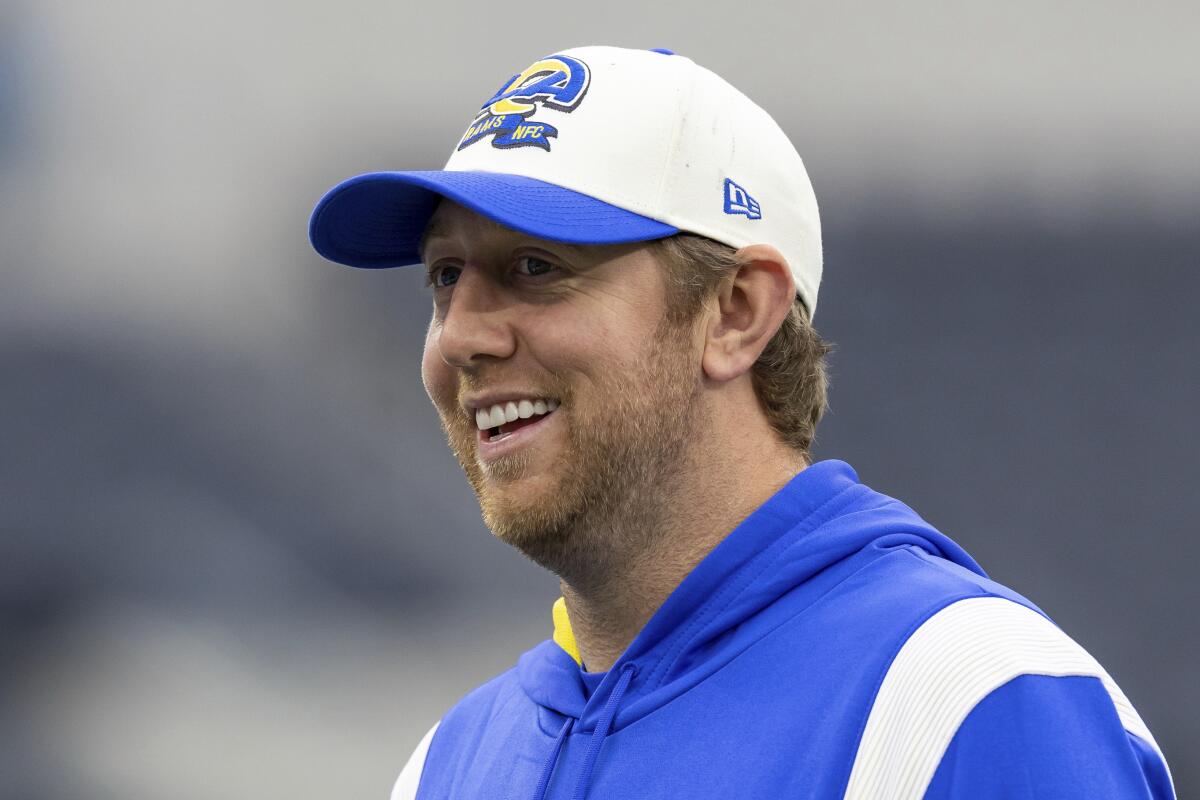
[{"x": 377, "y": 220}]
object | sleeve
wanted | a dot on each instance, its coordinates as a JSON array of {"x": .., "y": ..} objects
[
  {"x": 987, "y": 698},
  {"x": 406, "y": 785},
  {"x": 1042, "y": 736}
]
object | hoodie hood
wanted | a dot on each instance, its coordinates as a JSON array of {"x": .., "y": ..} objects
[{"x": 816, "y": 531}]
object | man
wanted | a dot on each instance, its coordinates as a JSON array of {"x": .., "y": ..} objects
[{"x": 624, "y": 255}]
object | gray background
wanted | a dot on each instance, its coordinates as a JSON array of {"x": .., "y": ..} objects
[{"x": 238, "y": 560}]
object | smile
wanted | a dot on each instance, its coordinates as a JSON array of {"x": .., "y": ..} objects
[
  {"x": 498, "y": 422},
  {"x": 504, "y": 427}
]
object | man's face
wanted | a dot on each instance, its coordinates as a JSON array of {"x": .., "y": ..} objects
[{"x": 523, "y": 321}]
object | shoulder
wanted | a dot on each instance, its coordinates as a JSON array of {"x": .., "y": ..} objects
[
  {"x": 484, "y": 699},
  {"x": 971, "y": 650},
  {"x": 463, "y": 720}
]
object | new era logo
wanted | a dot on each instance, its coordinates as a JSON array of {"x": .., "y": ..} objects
[{"x": 739, "y": 201}]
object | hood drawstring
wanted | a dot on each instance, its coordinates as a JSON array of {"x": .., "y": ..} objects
[
  {"x": 606, "y": 718},
  {"x": 548, "y": 770},
  {"x": 598, "y": 736}
]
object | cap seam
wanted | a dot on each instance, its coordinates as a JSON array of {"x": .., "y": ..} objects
[{"x": 681, "y": 106}]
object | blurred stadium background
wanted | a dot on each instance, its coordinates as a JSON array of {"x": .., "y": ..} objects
[{"x": 237, "y": 559}]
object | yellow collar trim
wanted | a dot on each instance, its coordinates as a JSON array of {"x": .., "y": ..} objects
[{"x": 564, "y": 637}]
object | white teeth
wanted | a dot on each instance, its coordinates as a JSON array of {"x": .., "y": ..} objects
[{"x": 511, "y": 411}]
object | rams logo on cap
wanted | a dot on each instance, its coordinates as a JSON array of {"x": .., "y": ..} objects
[{"x": 557, "y": 82}]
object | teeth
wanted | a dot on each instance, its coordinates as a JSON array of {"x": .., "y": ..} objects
[{"x": 511, "y": 411}]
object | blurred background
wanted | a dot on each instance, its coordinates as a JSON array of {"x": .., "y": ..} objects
[{"x": 236, "y": 558}]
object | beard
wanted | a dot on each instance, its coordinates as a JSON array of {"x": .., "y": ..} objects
[{"x": 614, "y": 486}]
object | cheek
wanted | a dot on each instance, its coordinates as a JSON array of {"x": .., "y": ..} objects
[
  {"x": 437, "y": 377},
  {"x": 592, "y": 350}
]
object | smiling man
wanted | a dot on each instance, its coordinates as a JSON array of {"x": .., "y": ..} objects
[
  {"x": 570, "y": 380},
  {"x": 624, "y": 255}
]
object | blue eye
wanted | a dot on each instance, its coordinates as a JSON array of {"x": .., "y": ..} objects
[
  {"x": 533, "y": 266},
  {"x": 441, "y": 277}
]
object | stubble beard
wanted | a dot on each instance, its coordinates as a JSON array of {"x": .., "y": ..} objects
[{"x": 618, "y": 478}]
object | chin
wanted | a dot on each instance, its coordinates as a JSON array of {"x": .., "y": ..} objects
[{"x": 520, "y": 509}]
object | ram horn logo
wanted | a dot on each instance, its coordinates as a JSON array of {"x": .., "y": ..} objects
[{"x": 557, "y": 82}]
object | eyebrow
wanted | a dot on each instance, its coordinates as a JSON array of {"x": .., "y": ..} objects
[{"x": 432, "y": 231}]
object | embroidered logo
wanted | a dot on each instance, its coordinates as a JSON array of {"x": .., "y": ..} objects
[
  {"x": 558, "y": 82},
  {"x": 739, "y": 201}
]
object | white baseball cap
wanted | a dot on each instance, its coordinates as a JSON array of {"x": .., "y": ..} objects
[{"x": 598, "y": 145}]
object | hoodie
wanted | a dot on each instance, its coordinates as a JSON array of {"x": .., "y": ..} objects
[{"x": 834, "y": 644}]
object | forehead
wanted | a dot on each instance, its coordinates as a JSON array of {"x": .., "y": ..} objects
[
  {"x": 455, "y": 223},
  {"x": 449, "y": 218}
]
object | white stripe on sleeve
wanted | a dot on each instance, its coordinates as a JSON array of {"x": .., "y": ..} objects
[{"x": 951, "y": 662}]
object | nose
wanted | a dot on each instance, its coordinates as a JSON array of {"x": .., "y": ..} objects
[{"x": 475, "y": 325}]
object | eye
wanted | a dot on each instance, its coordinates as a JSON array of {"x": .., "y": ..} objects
[
  {"x": 532, "y": 266},
  {"x": 440, "y": 277}
]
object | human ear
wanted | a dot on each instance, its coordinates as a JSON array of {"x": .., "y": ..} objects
[{"x": 750, "y": 305}]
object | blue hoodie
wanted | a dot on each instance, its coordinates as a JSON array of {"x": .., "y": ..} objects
[{"x": 833, "y": 645}]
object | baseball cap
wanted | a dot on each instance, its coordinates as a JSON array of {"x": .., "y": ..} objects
[{"x": 597, "y": 145}]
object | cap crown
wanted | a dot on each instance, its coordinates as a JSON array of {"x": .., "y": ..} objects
[{"x": 657, "y": 135}]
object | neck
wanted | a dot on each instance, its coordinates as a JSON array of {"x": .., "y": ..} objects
[{"x": 608, "y": 607}]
